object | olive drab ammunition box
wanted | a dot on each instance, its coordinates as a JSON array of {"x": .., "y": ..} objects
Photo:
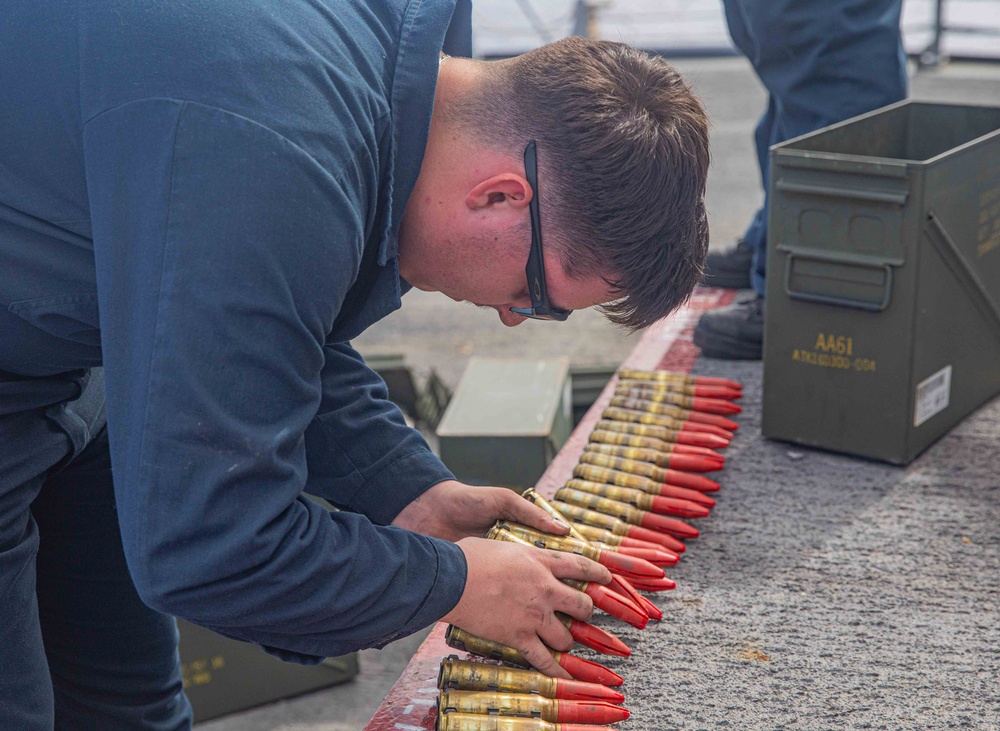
[
  {"x": 883, "y": 289},
  {"x": 506, "y": 420},
  {"x": 223, "y": 676}
]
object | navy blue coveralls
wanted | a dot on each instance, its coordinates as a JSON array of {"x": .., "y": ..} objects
[
  {"x": 821, "y": 61},
  {"x": 203, "y": 198}
]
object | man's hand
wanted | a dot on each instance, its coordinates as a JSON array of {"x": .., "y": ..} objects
[
  {"x": 452, "y": 511},
  {"x": 512, "y": 592}
]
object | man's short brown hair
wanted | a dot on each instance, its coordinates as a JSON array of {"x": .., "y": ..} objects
[{"x": 623, "y": 157}]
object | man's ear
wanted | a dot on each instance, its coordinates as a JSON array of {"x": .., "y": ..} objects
[{"x": 508, "y": 189}]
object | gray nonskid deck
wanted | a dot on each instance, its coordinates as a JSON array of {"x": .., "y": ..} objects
[{"x": 828, "y": 592}]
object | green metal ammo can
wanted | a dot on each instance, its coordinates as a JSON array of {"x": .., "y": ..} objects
[
  {"x": 507, "y": 420},
  {"x": 883, "y": 325}
]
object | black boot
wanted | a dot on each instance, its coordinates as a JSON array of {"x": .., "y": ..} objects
[
  {"x": 735, "y": 332},
  {"x": 729, "y": 269}
]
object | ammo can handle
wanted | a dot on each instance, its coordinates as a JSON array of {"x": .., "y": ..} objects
[
  {"x": 874, "y": 196},
  {"x": 826, "y": 299}
]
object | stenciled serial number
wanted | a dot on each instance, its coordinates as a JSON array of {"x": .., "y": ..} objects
[{"x": 832, "y": 360}]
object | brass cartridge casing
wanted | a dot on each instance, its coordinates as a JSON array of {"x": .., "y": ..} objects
[
  {"x": 533, "y": 497},
  {"x": 642, "y": 430},
  {"x": 659, "y": 379},
  {"x": 681, "y": 389},
  {"x": 458, "y": 674},
  {"x": 651, "y": 407},
  {"x": 599, "y": 536},
  {"x": 480, "y": 722},
  {"x": 591, "y": 517},
  {"x": 502, "y": 532},
  {"x": 615, "y": 413},
  {"x": 608, "y": 460},
  {"x": 604, "y": 547},
  {"x": 551, "y": 542},
  {"x": 614, "y": 508},
  {"x": 614, "y": 477},
  {"x": 462, "y": 640},
  {"x": 576, "y": 584},
  {"x": 649, "y": 394},
  {"x": 638, "y": 454},
  {"x": 502, "y": 704},
  {"x": 635, "y": 498},
  {"x": 619, "y": 438},
  {"x": 639, "y": 374}
]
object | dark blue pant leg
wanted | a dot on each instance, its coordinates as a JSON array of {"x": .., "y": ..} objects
[
  {"x": 458, "y": 39},
  {"x": 30, "y": 446},
  {"x": 113, "y": 660},
  {"x": 821, "y": 61},
  {"x": 77, "y": 649}
]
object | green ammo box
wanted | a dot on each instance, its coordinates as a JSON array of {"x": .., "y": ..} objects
[
  {"x": 224, "y": 676},
  {"x": 883, "y": 326},
  {"x": 507, "y": 420}
]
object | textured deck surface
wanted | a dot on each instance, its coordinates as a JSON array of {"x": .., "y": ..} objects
[{"x": 825, "y": 592}]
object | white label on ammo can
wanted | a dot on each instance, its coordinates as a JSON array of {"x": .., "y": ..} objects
[{"x": 933, "y": 394}]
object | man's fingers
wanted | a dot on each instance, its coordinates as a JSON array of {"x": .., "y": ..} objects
[
  {"x": 554, "y": 634},
  {"x": 517, "y": 509},
  {"x": 574, "y": 603},
  {"x": 541, "y": 659},
  {"x": 572, "y": 566}
]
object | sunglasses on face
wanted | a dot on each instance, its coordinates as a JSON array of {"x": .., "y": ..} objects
[{"x": 541, "y": 308}]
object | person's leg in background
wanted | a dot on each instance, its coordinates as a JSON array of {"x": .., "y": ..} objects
[
  {"x": 821, "y": 63},
  {"x": 458, "y": 39}
]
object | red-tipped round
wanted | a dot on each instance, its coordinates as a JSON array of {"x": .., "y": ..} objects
[
  {"x": 695, "y": 450},
  {"x": 625, "y": 588},
  {"x": 713, "y": 420},
  {"x": 697, "y": 427},
  {"x": 700, "y": 439},
  {"x": 599, "y": 639},
  {"x": 628, "y": 542},
  {"x": 656, "y": 556},
  {"x": 691, "y": 482},
  {"x": 663, "y": 584},
  {"x": 717, "y": 381},
  {"x": 695, "y": 462},
  {"x": 671, "y": 526},
  {"x": 617, "y": 605},
  {"x": 684, "y": 493},
  {"x": 577, "y": 690},
  {"x": 588, "y": 670},
  {"x": 590, "y": 712},
  {"x": 715, "y": 406},
  {"x": 655, "y": 536},
  {"x": 729, "y": 394},
  {"x": 680, "y": 508},
  {"x": 583, "y": 727},
  {"x": 629, "y": 566},
  {"x": 652, "y": 610}
]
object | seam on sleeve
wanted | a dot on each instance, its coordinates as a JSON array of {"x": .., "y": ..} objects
[
  {"x": 139, "y": 538},
  {"x": 336, "y": 176},
  {"x": 361, "y": 472},
  {"x": 394, "y": 462}
]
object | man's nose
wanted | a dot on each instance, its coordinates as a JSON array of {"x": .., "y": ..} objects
[{"x": 509, "y": 318}]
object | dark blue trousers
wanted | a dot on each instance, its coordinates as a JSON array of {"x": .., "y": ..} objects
[
  {"x": 79, "y": 651},
  {"x": 821, "y": 61}
]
